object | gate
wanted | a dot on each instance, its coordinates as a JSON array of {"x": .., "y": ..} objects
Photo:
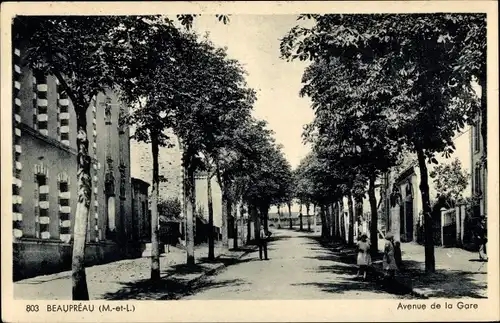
[{"x": 449, "y": 228}]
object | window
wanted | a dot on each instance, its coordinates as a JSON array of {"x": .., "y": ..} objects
[
  {"x": 41, "y": 103},
  {"x": 477, "y": 181},
  {"x": 63, "y": 126},
  {"x": 476, "y": 135},
  {"x": 144, "y": 216},
  {"x": 64, "y": 208},
  {"x": 42, "y": 215}
]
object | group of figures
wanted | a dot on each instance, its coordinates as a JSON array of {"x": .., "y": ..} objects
[{"x": 391, "y": 259}]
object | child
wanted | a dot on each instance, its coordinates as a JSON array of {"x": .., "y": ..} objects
[
  {"x": 389, "y": 261},
  {"x": 364, "y": 259}
]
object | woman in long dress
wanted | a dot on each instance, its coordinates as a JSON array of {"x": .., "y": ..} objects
[
  {"x": 364, "y": 259},
  {"x": 389, "y": 261}
]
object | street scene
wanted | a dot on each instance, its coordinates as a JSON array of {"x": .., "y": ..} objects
[{"x": 249, "y": 157}]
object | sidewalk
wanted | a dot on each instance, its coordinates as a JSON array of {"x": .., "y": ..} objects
[
  {"x": 129, "y": 279},
  {"x": 458, "y": 273}
]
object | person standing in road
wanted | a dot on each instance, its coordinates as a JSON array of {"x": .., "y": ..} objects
[
  {"x": 263, "y": 236},
  {"x": 389, "y": 261},
  {"x": 364, "y": 259}
]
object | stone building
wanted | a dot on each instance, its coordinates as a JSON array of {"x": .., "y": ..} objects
[
  {"x": 169, "y": 160},
  {"x": 45, "y": 176},
  {"x": 478, "y": 170},
  {"x": 171, "y": 172},
  {"x": 141, "y": 219}
]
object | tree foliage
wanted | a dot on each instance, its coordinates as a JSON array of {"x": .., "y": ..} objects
[
  {"x": 381, "y": 84},
  {"x": 450, "y": 181}
]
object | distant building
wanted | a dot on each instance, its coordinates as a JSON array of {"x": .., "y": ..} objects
[
  {"x": 171, "y": 172},
  {"x": 170, "y": 169},
  {"x": 45, "y": 176}
]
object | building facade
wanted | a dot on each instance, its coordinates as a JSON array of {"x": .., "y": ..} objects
[
  {"x": 478, "y": 170},
  {"x": 45, "y": 175},
  {"x": 403, "y": 212},
  {"x": 170, "y": 167},
  {"x": 171, "y": 172},
  {"x": 141, "y": 217}
]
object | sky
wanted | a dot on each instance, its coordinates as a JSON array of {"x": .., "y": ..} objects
[{"x": 254, "y": 41}]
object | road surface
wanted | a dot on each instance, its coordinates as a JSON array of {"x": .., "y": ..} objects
[{"x": 299, "y": 268}]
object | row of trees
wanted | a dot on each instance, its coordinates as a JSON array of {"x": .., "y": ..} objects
[
  {"x": 381, "y": 86},
  {"x": 173, "y": 80}
]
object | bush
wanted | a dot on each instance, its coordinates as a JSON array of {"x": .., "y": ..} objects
[{"x": 170, "y": 208}]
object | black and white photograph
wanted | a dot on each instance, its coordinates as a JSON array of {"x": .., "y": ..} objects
[{"x": 221, "y": 156}]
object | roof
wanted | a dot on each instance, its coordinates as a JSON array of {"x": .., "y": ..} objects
[{"x": 139, "y": 182}]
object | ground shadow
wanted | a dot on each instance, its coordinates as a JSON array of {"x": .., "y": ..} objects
[
  {"x": 478, "y": 260},
  {"x": 170, "y": 288},
  {"x": 341, "y": 261},
  {"x": 443, "y": 283},
  {"x": 165, "y": 289}
]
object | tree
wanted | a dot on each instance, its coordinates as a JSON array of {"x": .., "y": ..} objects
[
  {"x": 325, "y": 183},
  {"x": 270, "y": 174},
  {"x": 149, "y": 84},
  {"x": 198, "y": 110},
  {"x": 211, "y": 242},
  {"x": 348, "y": 116},
  {"x": 420, "y": 69},
  {"x": 450, "y": 181},
  {"x": 303, "y": 189},
  {"x": 162, "y": 75},
  {"x": 228, "y": 147}
]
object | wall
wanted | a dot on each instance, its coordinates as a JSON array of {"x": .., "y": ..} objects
[
  {"x": 476, "y": 154},
  {"x": 44, "y": 150},
  {"x": 142, "y": 219},
  {"x": 169, "y": 160},
  {"x": 33, "y": 257},
  {"x": 202, "y": 198}
]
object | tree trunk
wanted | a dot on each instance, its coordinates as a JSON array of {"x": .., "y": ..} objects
[
  {"x": 256, "y": 221},
  {"x": 189, "y": 190},
  {"x": 249, "y": 222},
  {"x": 80, "y": 291},
  {"x": 315, "y": 219},
  {"x": 328, "y": 217},
  {"x": 373, "y": 224},
  {"x": 235, "y": 224},
  {"x": 155, "y": 249},
  {"x": 241, "y": 209},
  {"x": 324, "y": 223},
  {"x": 358, "y": 215},
  {"x": 332, "y": 219},
  {"x": 336, "y": 221},
  {"x": 211, "y": 242},
  {"x": 301, "y": 225},
  {"x": 224, "y": 225},
  {"x": 341, "y": 220},
  {"x": 279, "y": 216},
  {"x": 308, "y": 218},
  {"x": 350, "y": 224},
  {"x": 264, "y": 213},
  {"x": 430, "y": 262},
  {"x": 290, "y": 214}
]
